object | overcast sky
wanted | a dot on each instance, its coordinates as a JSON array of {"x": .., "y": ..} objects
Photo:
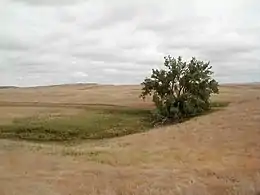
[{"x": 46, "y": 42}]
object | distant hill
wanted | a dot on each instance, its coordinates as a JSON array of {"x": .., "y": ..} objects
[
  {"x": 97, "y": 84},
  {"x": 7, "y": 87}
]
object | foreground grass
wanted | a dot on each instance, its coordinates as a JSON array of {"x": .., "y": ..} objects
[{"x": 89, "y": 124}]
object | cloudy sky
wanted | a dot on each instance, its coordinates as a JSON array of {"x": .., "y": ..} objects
[{"x": 46, "y": 42}]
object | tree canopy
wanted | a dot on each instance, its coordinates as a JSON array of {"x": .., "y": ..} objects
[{"x": 181, "y": 90}]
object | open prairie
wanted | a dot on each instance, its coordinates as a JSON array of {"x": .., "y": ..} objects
[{"x": 217, "y": 153}]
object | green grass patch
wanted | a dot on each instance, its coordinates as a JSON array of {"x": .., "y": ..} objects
[{"x": 89, "y": 124}]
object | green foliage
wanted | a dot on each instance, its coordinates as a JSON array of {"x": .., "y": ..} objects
[
  {"x": 181, "y": 90},
  {"x": 89, "y": 124}
]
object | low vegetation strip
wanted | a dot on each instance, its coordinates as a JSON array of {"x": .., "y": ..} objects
[
  {"x": 55, "y": 104},
  {"x": 90, "y": 123}
]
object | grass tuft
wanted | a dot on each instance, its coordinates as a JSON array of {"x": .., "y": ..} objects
[{"x": 219, "y": 104}]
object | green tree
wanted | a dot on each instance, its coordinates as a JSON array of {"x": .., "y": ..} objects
[{"x": 181, "y": 90}]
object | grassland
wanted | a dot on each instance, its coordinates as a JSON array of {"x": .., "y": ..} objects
[
  {"x": 216, "y": 153},
  {"x": 49, "y": 120},
  {"x": 89, "y": 123},
  {"x": 96, "y": 122}
]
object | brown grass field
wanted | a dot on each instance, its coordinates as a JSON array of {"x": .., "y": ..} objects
[{"x": 218, "y": 153}]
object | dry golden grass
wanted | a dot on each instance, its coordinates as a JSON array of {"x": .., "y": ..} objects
[{"x": 212, "y": 154}]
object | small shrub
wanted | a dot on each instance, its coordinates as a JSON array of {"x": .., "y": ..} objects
[{"x": 180, "y": 91}]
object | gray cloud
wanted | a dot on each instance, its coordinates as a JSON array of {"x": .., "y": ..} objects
[
  {"x": 49, "y": 2},
  {"x": 7, "y": 44},
  {"x": 114, "y": 15},
  {"x": 52, "y": 42}
]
